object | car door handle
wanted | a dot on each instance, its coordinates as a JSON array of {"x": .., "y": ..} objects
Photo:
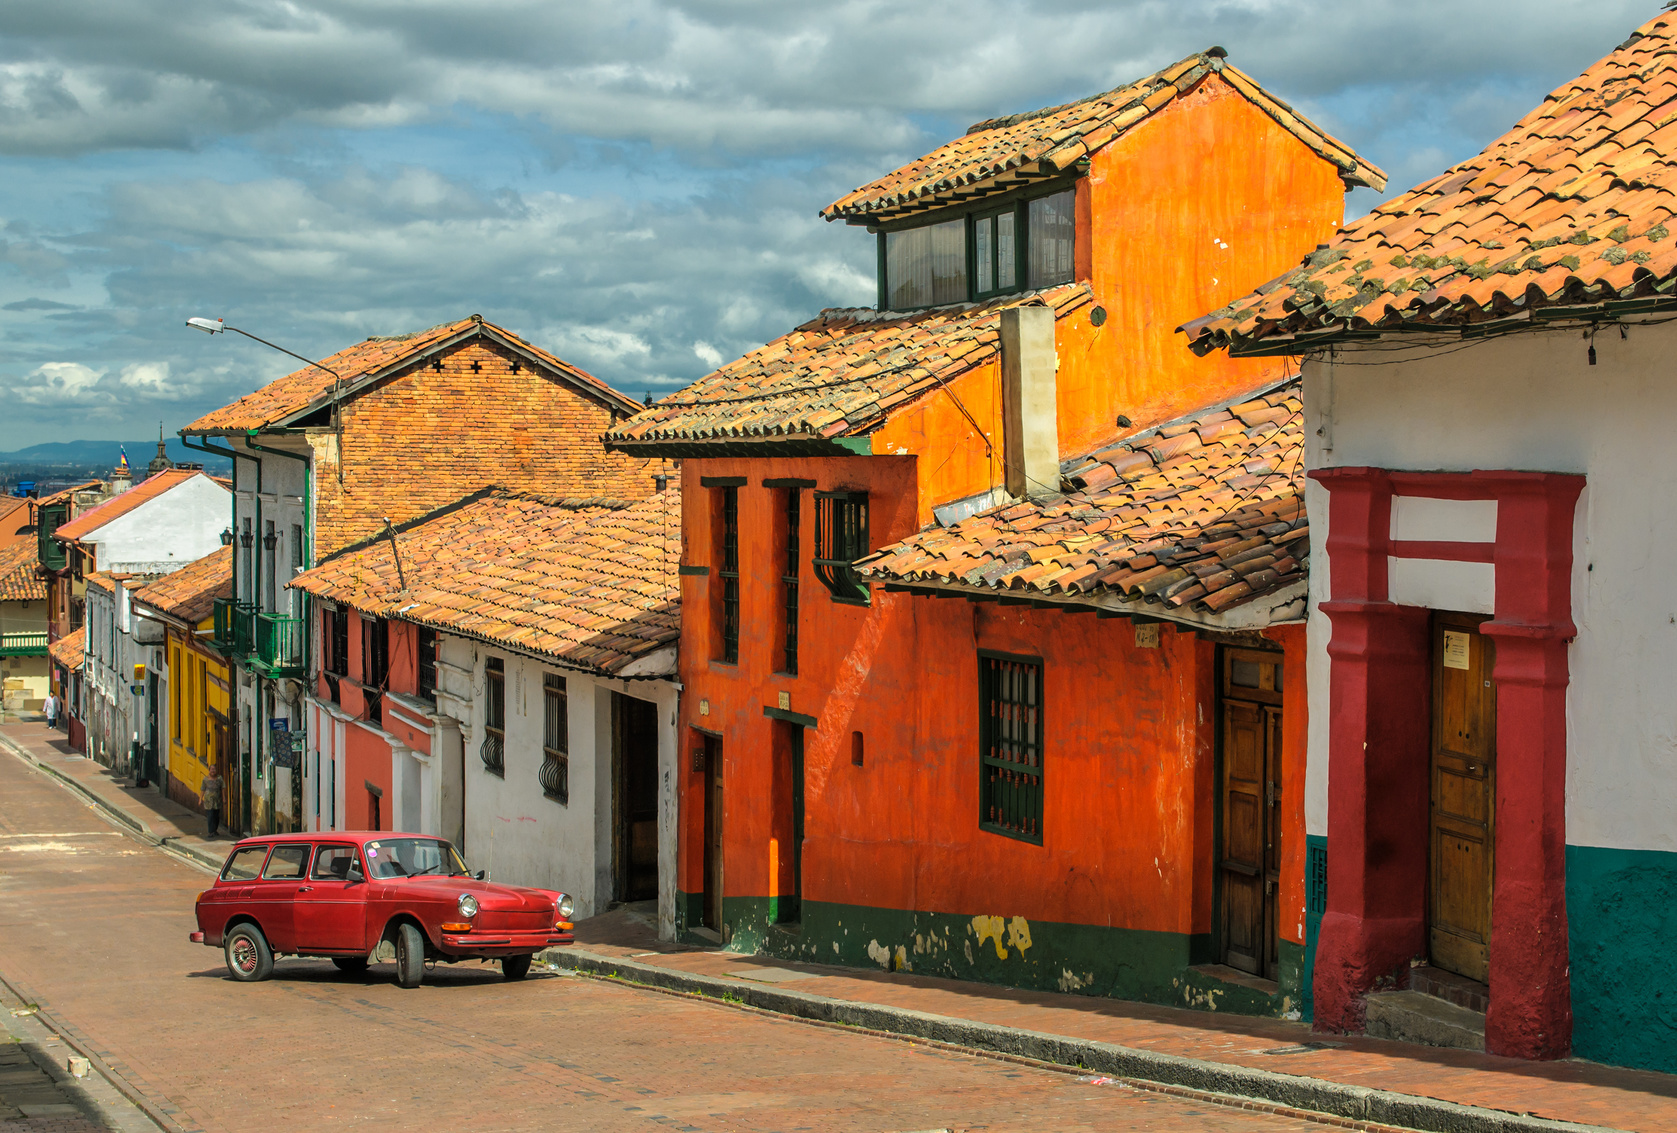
[{"x": 305, "y": 888}]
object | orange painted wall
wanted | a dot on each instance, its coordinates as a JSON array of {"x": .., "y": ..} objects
[
  {"x": 366, "y": 755},
  {"x": 1129, "y": 738}
]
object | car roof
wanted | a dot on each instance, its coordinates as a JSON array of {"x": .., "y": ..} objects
[{"x": 356, "y": 836}]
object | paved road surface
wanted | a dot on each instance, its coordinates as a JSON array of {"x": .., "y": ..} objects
[{"x": 93, "y": 925}]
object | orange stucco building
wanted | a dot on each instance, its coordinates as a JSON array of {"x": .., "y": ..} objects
[{"x": 993, "y": 595}]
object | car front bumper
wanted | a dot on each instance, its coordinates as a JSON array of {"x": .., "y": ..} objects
[{"x": 491, "y": 944}]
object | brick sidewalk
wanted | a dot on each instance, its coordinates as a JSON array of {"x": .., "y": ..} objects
[
  {"x": 144, "y": 809},
  {"x": 1571, "y": 1090}
]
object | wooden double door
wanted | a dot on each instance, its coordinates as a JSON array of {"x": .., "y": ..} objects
[
  {"x": 1461, "y": 824},
  {"x": 1250, "y": 793}
]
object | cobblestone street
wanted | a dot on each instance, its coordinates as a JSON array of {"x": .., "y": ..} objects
[{"x": 94, "y": 930}]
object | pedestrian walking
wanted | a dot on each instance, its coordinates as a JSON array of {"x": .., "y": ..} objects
[
  {"x": 211, "y": 795},
  {"x": 51, "y": 707}
]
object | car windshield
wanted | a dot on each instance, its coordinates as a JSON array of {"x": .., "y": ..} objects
[{"x": 413, "y": 857}]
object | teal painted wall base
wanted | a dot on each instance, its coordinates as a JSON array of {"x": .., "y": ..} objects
[
  {"x": 1315, "y": 905},
  {"x": 1152, "y": 967},
  {"x": 1621, "y": 911}
]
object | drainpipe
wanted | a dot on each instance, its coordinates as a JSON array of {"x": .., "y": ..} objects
[
  {"x": 304, "y": 606},
  {"x": 255, "y": 569}
]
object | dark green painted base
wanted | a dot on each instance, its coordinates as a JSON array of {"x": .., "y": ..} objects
[
  {"x": 1316, "y": 850},
  {"x": 1152, "y": 967},
  {"x": 1620, "y": 921}
]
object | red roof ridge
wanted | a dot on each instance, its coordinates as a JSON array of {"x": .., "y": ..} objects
[{"x": 117, "y": 506}]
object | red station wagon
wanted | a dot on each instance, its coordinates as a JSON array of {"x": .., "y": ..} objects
[{"x": 343, "y": 895}]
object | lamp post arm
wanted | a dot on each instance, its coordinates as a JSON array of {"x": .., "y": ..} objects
[{"x": 283, "y": 350}]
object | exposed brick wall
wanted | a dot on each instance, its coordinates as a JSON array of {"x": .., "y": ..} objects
[{"x": 428, "y": 437}]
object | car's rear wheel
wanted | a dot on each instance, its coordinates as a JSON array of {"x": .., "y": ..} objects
[
  {"x": 249, "y": 958},
  {"x": 351, "y": 965},
  {"x": 410, "y": 956},
  {"x": 515, "y": 967}
]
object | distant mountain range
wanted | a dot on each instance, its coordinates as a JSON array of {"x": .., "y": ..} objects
[{"x": 97, "y": 458}]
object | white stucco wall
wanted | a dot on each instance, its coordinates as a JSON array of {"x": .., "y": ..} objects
[
  {"x": 1532, "y": 402},
  {"x": 164, "y": 533}
]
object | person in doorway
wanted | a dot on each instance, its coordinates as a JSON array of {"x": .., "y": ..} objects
[
  {"x": 211, "y": 795},
  {"x": 51, "y": 707}
]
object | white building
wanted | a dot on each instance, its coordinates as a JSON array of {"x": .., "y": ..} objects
[{"x": 510, "y": 687}]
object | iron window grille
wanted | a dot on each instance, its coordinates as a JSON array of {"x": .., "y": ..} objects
[
  {"x": 375, "y": 665},
  {"x": 555, "y": 771},
  {"x": 789, "y": 580},
  {"x": 427, "y": 663},
  {"x": 1010, "y": 737},
  {"x": 730, "y": 575},
  {"x": 841, "y": 537},
  {"x": 494, "y": 751}
]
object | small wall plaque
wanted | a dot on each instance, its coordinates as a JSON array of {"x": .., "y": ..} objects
[
  {"x": 1455, "y": 650},
  {"x": 786, "y": 701}
]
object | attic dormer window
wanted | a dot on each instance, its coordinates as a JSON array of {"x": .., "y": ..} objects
[{"x": 1026, "y": 243}]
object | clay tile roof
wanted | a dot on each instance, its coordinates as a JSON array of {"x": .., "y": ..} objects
[
  {"x": 190, "y": 592},
  {"x": 19, "y": 577},
  {"x": 65, "y": 493},
  {"x": 590, "y": 582},
  {"x": 1573, "y": 206},
  {"x": 70, "y": 650},
  {"x": 373, "y": 360},
  {"x": 838, "y": 375},
  {"x": 150, "y": 488},
  {"x": 1197, "y": 516},
  {"x": 107, "y": 580},
  {"x": 1004, "y": 153}
]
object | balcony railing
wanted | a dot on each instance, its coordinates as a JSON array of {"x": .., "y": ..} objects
[
  {"x": 555, "y": 775},
  {"x": 23, "y": 644},
  {"x": 494, "y": 751},
  {"x": 279, "y": 645},
  {"x": 234, "y": 628}
]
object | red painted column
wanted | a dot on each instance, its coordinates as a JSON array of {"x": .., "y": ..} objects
[{"x": 1531, "y": 1003}]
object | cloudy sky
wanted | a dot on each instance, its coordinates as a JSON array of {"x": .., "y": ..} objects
[{"x": 631, "y": 184}]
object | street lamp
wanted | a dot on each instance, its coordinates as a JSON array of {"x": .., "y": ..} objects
[
  {"x": 217, "y": 326},
  {"x": 270, "y": 540},
  {"x": 226, "y": 536}
]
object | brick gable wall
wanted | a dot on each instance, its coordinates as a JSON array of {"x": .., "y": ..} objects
[{"x": 428, "y": 437}]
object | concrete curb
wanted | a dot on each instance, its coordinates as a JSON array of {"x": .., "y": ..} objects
[
  {"x": 139, "y": 829},
  {"x": 1336, "y": 1099}
]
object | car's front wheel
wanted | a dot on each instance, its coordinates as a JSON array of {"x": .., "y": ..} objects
[
  {"x": 249, "y": 958},
  {"x": 350, "y": 965},
  {"x": 515, "y": 967},
  {"x": 410, "y": 956}
]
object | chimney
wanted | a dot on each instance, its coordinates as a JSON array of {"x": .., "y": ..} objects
[{"x": 1030, "y": 416}]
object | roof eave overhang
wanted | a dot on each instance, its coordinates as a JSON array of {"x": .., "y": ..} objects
[
  {"x": 700, "y": 448},
  {"x": 1282, "y": 606}
]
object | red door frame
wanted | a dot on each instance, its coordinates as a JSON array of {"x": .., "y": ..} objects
[{"x": 1379, "y": 719}]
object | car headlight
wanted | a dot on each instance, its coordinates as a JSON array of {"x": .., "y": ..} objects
[
  {"x": 468, "y": 905},
  {"x": 566, "y": 906}
]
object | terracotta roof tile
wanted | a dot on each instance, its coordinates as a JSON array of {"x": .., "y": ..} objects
[
  {"x": 370, "y": 361},
  {"x": 190, "y": 592},
  {"x": 836, "y": 375},
  {"x": 1186, "y": 523},
  {"x": 591, "y": 582},
  {"x": 20, "y": 579},
  {"x": 1572, "y": 206},
  {"x": 70, "y": 650},
  {"x": 65, "y": 493},
  {"x": 150, "y": 488},
  {"x": 1003, "y": 153}
]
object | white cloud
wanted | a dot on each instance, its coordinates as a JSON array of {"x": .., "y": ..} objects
[
  {"x": 147, "y": 378},
  {"x": 708, "y": 354},
  {"x": 60, "y": 384}
]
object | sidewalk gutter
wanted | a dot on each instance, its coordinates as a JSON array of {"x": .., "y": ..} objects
[
  {"x": 140, "y": 830},
  {"x": 1335, "y": 1099}
]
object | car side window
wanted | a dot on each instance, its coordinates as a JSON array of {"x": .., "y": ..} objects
[
  {"x": 286, "y": 863},
  {"x": 332, "y": 863},
  {"x": 244, "y": 864}
]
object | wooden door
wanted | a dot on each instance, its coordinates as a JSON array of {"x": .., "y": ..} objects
[
  {"x": 1250, "y": 801},
  {"x": 713, "y": 833},
  {"x": 1462, "y": 826},
  {"x": 636, "y": 805}
]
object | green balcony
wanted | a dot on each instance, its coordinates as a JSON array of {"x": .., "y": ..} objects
[
  {"x": 279, "y": 646},
  {"x": 233, "y": 631},
  {"x": 23, "y": 644}
]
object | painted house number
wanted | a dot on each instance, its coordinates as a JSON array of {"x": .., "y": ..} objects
[{"x": 1455, "y": 650}]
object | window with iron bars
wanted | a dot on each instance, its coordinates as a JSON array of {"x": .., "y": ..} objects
[
  {"x": 789, "y": 580},
  {"x": 555, "y": 771},
  {"x": 375, "y": 665},
  {"x": 335, "y": 646},
  {"x": 1010, "y": 737},
  {"x": 841, "y": 537},
  {"x": 427, "y": 663},
  {"x": 494, "y": 750},
  {"x": 729, "y": 572}
]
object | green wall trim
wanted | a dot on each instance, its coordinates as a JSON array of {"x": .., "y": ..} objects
[
  {"x": 1315, "y": 850},
  {"x": 1152, "y": 967},
  {"x": 1619, "y": 916}
]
